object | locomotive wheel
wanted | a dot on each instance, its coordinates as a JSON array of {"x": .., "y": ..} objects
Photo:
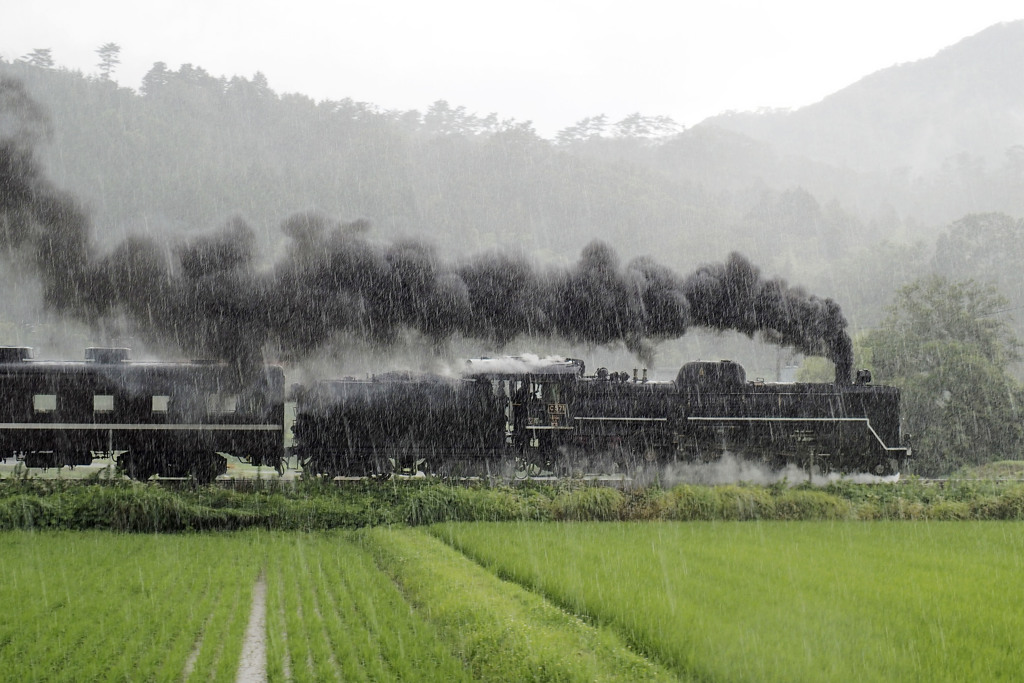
[
  {"x": 40, "y": 459},
  {"x": 382, "y": 469},
  {"x": 524, "y": 469},
  {"x": 887, "y": 468},
  {"x": 822, "y": 464}
]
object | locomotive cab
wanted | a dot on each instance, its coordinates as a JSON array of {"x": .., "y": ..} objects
[{"x": 851, "y": 427}]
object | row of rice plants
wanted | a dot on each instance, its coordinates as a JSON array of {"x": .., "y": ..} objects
[
  {"x": 331, "y": 614},
  {"x": 503, "y": 632},
  {"x": 91, "y": 606},
  {"x": 101, "y": 606},
  {"x": 765, "y": 601}
]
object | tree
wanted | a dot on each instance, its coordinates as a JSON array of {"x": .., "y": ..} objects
[
  {"x": 156, "y": 79},
  {"x": 637, "y": 125},
  {"x": 934, "y": 309},
  {"x": 945, "y": 345},
  {"x": 589, "y": 128},
  {"x": 41, "y": 57},
  {"x": 983, "y": 245},
  {"x": 109, "y": 58}
]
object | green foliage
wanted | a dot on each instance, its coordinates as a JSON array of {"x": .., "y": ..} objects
[
  {"x": 691, "y": 503},
  {"x": 587, "y": 503},
  {"x": 309, "y": 506},
  {"x": 818, "y": 369},
  {"x": 945, "y": 344},
  {"x": 987, "y": 247},
  {"x": 40, "y": 57},
  {"x": 808, "y": 504},
  {"x": 934, "y": 311},
  {"x": 109, "y": 54}
]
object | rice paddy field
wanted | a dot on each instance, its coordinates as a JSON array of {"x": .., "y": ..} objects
[{"x": 510, "y": 601}]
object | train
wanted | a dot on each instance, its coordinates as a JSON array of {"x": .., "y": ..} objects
[
  {"x": 496, "y": 417},
  {"x": 171, "y": 419}
]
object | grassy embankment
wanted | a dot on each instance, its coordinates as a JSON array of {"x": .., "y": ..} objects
[{"x": 27, "y": 503}]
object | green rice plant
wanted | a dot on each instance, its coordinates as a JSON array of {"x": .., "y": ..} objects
[
  {"x": 342, "y": 617},
  {"x": 95, "y": 605},
  {"x": 276, "y": 575},
  {"x": 821, "y": 601},
  {"x": 501, "y": 631}
]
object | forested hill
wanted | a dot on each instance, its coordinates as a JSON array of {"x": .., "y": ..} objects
[
  {"x": 190, "y": 151},
  {"x": 963, "y": 106}
]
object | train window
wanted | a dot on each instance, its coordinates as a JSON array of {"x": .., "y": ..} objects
[
  {"x": 160, "y": 403},
  {"x": 103, "y": 403},
  {"x": 45, "y": 403},
  {"x": 221, "y": 403}
]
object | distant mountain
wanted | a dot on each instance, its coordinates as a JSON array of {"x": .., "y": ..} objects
[{"x": 965, "y": 103}]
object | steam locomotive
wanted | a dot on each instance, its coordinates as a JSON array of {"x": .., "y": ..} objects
[
  {"x": 499, "y": 416},
  {"x": 548, "y": 416}
]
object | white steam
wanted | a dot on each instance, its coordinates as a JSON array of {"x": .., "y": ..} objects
[{"x": 733, "y": 468}]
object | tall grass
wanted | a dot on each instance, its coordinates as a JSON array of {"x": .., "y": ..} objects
[{"x": 317, "y": 505}]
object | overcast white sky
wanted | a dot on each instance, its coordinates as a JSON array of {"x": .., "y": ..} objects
[{"x": 552, "y": 62}]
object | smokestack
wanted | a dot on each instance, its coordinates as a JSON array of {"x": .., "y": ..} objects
[{"x": 844, "y": 371}]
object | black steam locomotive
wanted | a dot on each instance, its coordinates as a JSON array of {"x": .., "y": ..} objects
[
  {"x": 548, "y": 416},
  {"x": 172, "y": 419},
  {"x": 499, "y": 417}
]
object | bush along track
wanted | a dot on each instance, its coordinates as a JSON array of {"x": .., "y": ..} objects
[{"x": 318, "y": 505}]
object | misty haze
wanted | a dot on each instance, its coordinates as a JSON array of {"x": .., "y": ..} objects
[{"x": 634, "y": 400}]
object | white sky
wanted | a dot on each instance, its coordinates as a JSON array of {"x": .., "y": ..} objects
[{"x": 551, "y": 62}]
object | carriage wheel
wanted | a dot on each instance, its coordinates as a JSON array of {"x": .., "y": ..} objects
[
  {"x": 207, "y": 466},
  {"x": 136, "y": 466}
]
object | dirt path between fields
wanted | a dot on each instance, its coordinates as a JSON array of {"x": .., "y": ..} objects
[{"x": 253, "y": 667}]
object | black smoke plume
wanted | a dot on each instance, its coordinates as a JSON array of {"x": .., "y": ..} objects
[{"x": 207, "y": 295}]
